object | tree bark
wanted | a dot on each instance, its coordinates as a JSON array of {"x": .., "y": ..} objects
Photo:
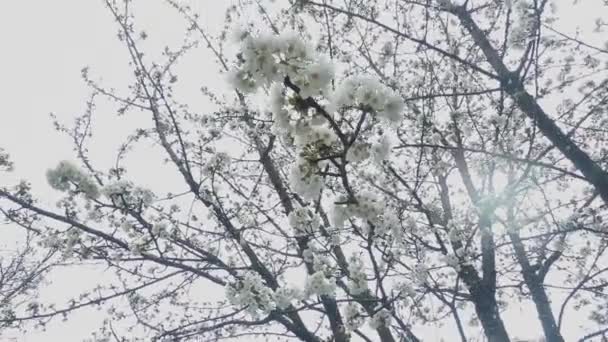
[
  {"x": 486, "y": 306},
  {"x": 534, "y": 282}
]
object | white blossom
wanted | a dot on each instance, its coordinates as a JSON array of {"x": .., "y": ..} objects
[
  {"x": 357, "y": 280},
  {"x": 304, "y": 221},
  {"x": 277, "y": 107},
  {"x": 266, "y": 59},
  {"x": 66, "y": 175},
  {"x": 523, "y": 25},
  {"x": 381, "y": 318},
  {"x": 314, "y": 79},
  {"x": 251, "y": 292},
  {"x": 125, "y": 193},
  {"x": 381, "y": 149},
  {"x": 322, "y": 263},
  {"x": 420, "y": 273},
  {"x": 285, "y": 296},
  {"x": 406, "y": 289},
  {"x": 354, "y": 316},
  {"x": 319, "y": 285},
  {"x": 219, "y": 160},
  {"x": 452, "y": 261},
  {"x": 358, "y": 152},
  {"x": 305, "y": 134},
  {"x": 372, "y": 95},
  {"x": 308, "y": 255},
  {"x": 392, "y": 110},
  {"x": 242, "y": 81},
  {"x": 338, "y": 215},
  {"x": 304, "y": 179}
]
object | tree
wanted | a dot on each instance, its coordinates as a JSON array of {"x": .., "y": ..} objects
[
  {"x": 21, "y": 274},
  {"x": 22, "y": 271},
  {"x": 426, "y": 162}
]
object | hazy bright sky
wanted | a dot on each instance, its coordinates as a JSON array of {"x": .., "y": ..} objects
[{"x": 45, "y": 43}]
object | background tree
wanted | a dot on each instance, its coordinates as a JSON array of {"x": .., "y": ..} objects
[
  {"x": 374, "y": 168},
  {"x": 22, "y": 267}
]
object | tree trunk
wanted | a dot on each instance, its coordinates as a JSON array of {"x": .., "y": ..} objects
[
  {"x": 534, "y": 282},
  {"x": 485, "y": 306}
]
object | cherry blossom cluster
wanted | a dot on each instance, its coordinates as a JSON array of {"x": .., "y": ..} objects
[
  {"x": 354, "y": 316},
  {"x": 293, "y": 74},
  {"x": 369, "y": 94},
  {"x": 368, "y": 208},
  {"x": 251, "y": 293},
  {"x": 357, "y": 279},
  {"x": 67, "y": 177},
  {"x": 382, "y": 318},
  {"x": 318, "y": 284},
  {"x": 303, "y": 221},
  {"x": 265, "y": 59},
  {"x": 127, "y": 194},
  {"x": 524, "y": 24}
]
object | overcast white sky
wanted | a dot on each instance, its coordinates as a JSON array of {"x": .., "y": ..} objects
[{"x": 45, "y": 43}]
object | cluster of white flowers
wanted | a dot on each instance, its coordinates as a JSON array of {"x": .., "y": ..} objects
[
  {"x": 63, "y": 241},
  {"x": 524, "y": 23},
  {"x": 367, "y": 207},
  {"x": 338, "y": 215},
  {"x": 498, "y": 120},
  {"x": 381, "y": 149},
  {"x": 66, "y": 176},
  {"x": 305, "y": 180},
  {"x": 308, "y": 254},
  {"x": 388, "y": 223},
  {"x": 420, "y": 273},
  {"x": 452, "y": 260},
  {"x": 138, "y": 239},
  {"x": 218, "y": 160},
  {"x": 73, "y": 238},
  {"x": 358, "y": 152},
  {"x": 312, "y": 141},
  {"x": 357, "y": 280},
  {"x": 270, "y": 58},
  {"x": 138, "y": 244},
  {"x": 314, "y": 79},
  {"x": 461, "y": 256},
  {"x": 456, "y": 233},
  {"x": 278, "y": 108},
  {"x": 354, "y": 316},
  {"x": 251, "y": 292},
  {"x": 304, "y": 221},
  {"x": 284, "y": 297},
  {"x": 306, "y": 133},
  {"x": 127, "y": 194},
  {"x": 405, "y": 289},
  {"x": 411, "y": 225},
  {"x": 51, "y": 240},
  {"x": 160, "y": 229},
  {"x": 560, "y": 245},
  {"x": 318, "y": 284},
  {"x": 382, "y": 318},
  {"x": 369, "y": 94},
  {"x": 323, "y": 263}
]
